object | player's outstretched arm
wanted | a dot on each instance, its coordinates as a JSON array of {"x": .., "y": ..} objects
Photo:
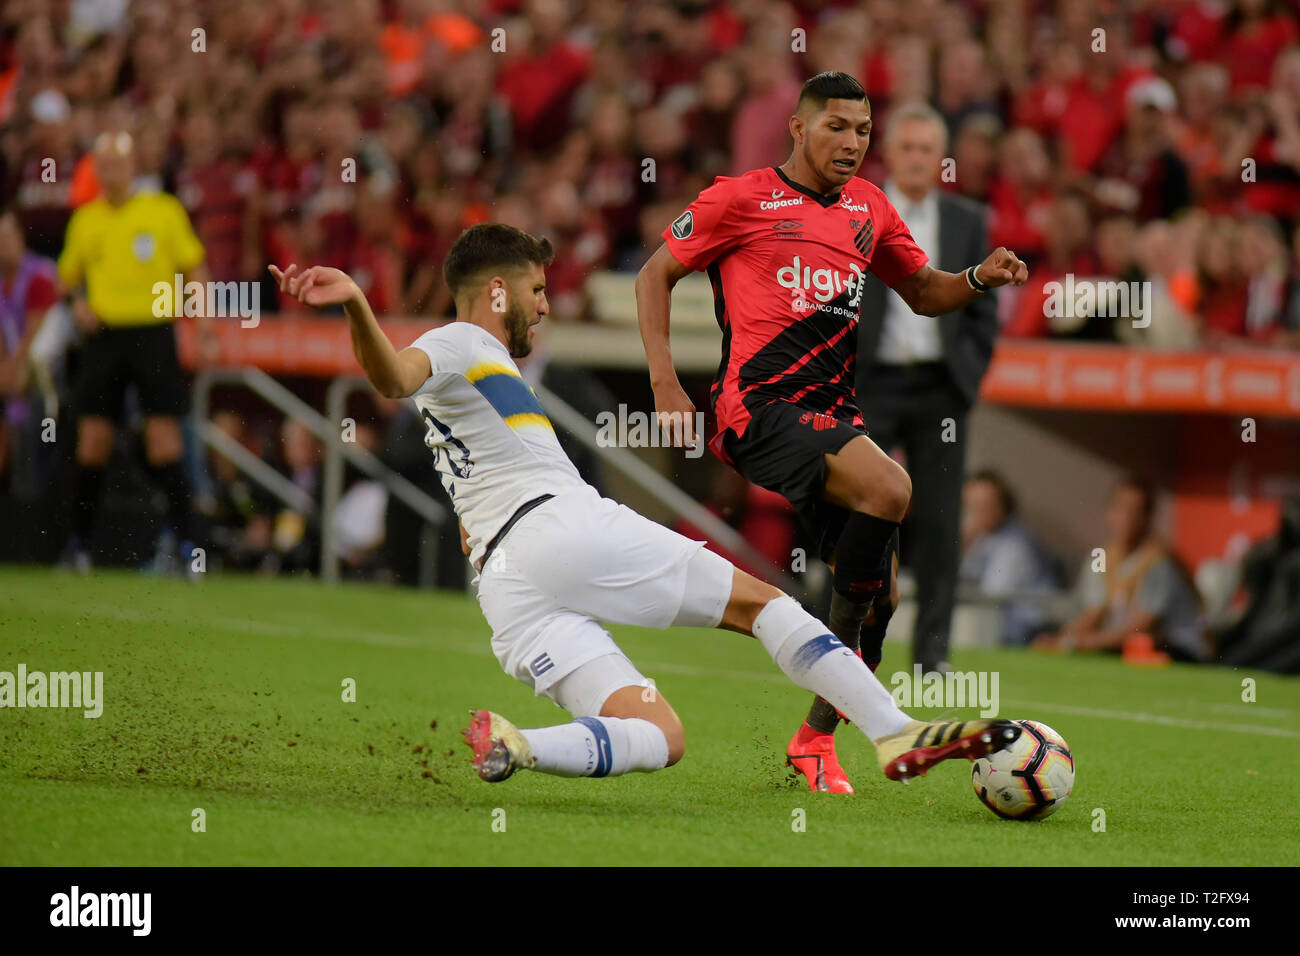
[
  {"x": 654, "y": 290},
  {"x": 394, "y": 374},
  {"x": 930, "y": 291}
]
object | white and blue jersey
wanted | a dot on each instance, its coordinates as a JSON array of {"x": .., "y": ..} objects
[{"x": 492, "y": 443}]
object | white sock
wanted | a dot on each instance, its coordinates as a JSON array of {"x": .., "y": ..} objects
[
  {"x": 598, "y": 747},
  {"x": 816, "y": 660}
]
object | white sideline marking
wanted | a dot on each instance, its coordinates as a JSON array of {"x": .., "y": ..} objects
[
  {"x": 1141, "y": 718},
  {"x": 380, "y": 638}
]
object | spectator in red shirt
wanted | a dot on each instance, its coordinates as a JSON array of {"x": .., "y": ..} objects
[
  {"x": 1223, "y": 298},
  {"x": 1093, "y": 114},
  {"x": 760, "y": 129},
  {"x": 541, "y": 75},
  {"x": 1020, "y": 196},
  {"x": 975, "y": 156},
  {"x": 45, "y": 202},
  {"x": 1141, "y": 174},
  {"x": 220, "y": 194},
  {"x": 612, "y": 171},
  {"x": 1263, "y": 259},
  {"x": 708, "y": 124},
  {"x": 376, "y": 262},
  {"x": 1068, "y": 232},
  {"x": 1254, "y": 33}
]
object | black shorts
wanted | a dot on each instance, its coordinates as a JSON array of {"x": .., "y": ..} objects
[
  {"x": 783, "y": 450},
  {"x": 143, "y": 355}
]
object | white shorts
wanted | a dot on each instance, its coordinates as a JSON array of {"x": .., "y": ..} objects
[{"x": 579, "y": 560}]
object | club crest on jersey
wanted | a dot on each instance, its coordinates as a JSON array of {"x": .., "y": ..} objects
[
  {"x": 143, "y": 246},
  {"x": 683, "y": 225},
  {"x": 864, "y": 236}
]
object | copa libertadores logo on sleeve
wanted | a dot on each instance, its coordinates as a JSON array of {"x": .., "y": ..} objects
[{"x": 684, "y": 225}]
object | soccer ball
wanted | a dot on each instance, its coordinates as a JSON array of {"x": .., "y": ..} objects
[{"x": 1029, "y": 780}]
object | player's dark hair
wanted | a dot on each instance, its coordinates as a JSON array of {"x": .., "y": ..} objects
[
  {"x": 492, "y": 246},
  {"x": 830, "y": 85},
  {"x": 999, "y": 484}
]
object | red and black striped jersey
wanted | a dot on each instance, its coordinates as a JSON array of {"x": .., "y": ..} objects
[{"x": 787, "y": 266}]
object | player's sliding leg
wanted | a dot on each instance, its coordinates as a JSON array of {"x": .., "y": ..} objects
[
  {"x": 816, "y": 660},
  {"x": 632, "y": 728}
]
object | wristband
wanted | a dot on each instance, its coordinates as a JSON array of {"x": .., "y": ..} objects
[{"x": 974, "y": 281}]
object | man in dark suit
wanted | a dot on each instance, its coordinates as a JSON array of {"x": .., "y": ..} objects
[{"x": 918, "y": 376}]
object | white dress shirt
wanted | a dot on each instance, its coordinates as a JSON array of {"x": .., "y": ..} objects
[{"x": 906, "y": 337}]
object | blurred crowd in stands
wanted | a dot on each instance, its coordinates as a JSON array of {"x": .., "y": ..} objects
[
  {"x": 1156, "y": 140},
  {"x": 1153, "y": 141}
]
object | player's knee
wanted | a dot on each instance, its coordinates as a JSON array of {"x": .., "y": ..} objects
[
  {"x": 886, "y": 493},
  {"x": 163, "y": 442},
  {"x": 889, "y": 495},
  {"x": 748, "y": 598},
  {"x": 675, "y": 734},
  {"x": 753, "y": 605}
]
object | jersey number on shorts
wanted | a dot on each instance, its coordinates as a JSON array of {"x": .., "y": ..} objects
[{"x": 445, "y": 443}]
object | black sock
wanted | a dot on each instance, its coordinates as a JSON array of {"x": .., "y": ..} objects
[
  {"x": 872, "y": 637},
  {"x": 171, "y": 479},
  {"x": 845, "y": 622},
  {"x": 90, "y": 481},
  {"x": 862, "y": 557},
  {"x": 873, "y": 634}
]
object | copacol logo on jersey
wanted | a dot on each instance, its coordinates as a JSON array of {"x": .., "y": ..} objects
[
  {"x": 624, "y": 429},
  {"x": 75, "y": 908},
  {"x": 824, "y": 284}
]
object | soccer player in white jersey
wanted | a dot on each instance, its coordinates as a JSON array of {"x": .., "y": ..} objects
[{"x": 556, "y": 561}]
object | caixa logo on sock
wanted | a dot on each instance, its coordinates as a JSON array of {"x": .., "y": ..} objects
[{"x": 824, "y": 284}]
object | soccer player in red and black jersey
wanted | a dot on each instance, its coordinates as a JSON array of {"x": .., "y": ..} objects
[{"x": 786, "y": 249}]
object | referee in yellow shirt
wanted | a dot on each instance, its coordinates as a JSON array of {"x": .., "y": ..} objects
[{"x": 117, "y": 247}]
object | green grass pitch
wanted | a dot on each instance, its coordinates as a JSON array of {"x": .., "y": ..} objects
[{"x": 227, "y": 696}]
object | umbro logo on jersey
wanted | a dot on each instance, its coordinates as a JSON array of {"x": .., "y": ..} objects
[
  {"x": 683, "y": 225},
  {"x": 820, "y": 421},
  {"x": 788, "y": 227}
]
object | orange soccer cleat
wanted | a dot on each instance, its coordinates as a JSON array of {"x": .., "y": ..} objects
[{"x": 812, "y": 754}]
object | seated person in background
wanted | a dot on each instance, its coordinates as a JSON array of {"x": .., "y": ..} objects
[
  {"x": 238, "y": 511},
  {"x": 1001, "y": 557},
  {"x": 1143, "y": 589}
]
